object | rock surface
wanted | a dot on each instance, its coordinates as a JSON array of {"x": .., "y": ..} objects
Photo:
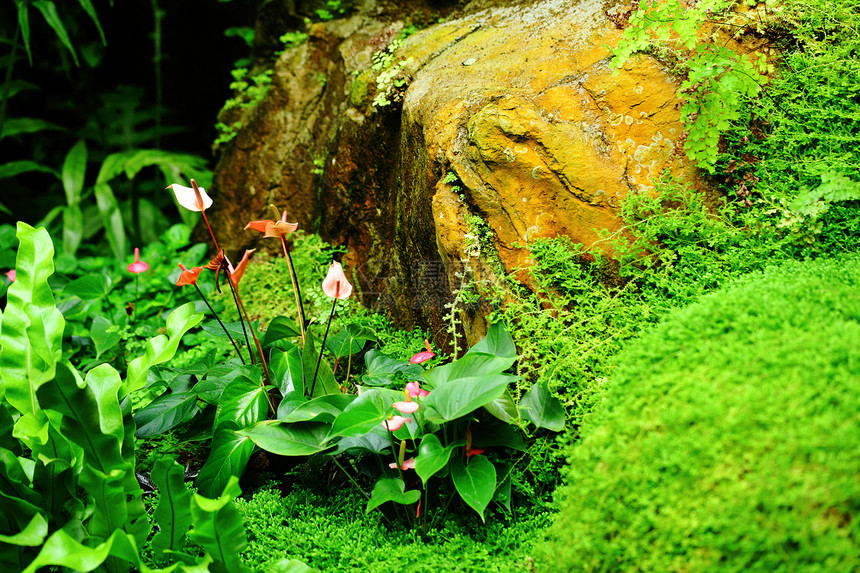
[{"x": 512, "y": 127}]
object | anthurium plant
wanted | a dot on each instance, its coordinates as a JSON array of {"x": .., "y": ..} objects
[
  {"x": 69, "y": 496},
  {"x": 279, "y": 392}
]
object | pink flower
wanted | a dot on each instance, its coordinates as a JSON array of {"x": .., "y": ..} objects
[
  {"x": 273, "y": 228},
  {"x": 11, "y": 275},
  {"x": 188, "y": 277},
  {"x": 414, "y": 389},
  {"x": 335, "y": 284},
  {"x": 407, "y": 464},
  {"x": 193, "y": 198},
  {"x": 424, "y": 355},
  {"x": 406, "y": 407},
  {"x": 138, "y": 266},
  {"x": 394, "y": 423}
]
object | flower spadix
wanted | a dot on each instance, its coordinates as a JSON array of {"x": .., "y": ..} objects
[{"x": 193, "y": 198}]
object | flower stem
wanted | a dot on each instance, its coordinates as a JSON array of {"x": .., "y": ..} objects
[
  {"x": 239, "y": 308},
  {"x": 262, "y": 362},
  {"x": 294, "y": 279},
  {"x": 325, "y": 336},
  {"x": 218, "y": 318}
]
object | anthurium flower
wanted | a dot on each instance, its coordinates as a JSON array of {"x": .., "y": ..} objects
[
  {"x": 271, "y": 228},
  {"x": 188, "y": 277},
  {"x": 424, "y": 355},
  {"x": 236, "y": 274},
  {"x": 414, "y": 389},
  {"x": 335, "y": 284},
  {"x": 394, "y": 423},
  {"x": 407, "y": 464},
  {"x": 138, "y": 266},
  {"x": 474, "y": 452},
  {"x": 11, "y": 275},
  {"x": 406, "y": 407},
  {"x": 193, "y": 198}
]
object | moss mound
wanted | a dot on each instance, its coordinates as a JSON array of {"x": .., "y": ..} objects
[{"x": 730, "y": 437}]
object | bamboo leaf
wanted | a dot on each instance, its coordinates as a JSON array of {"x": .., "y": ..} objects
[{"x": 49, "y": 11}]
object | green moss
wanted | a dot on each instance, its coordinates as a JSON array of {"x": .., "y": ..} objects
[
  {"x": 334, "y": 534},
  {"x": 729, "y": 438},
  {"x": 358, "y": 89}
]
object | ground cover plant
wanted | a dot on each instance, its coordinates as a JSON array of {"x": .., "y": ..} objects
[{"x": 729, "y": 437}]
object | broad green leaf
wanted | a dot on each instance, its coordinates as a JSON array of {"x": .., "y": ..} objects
[
  {"x": 391, "y": 489},
  {"x": 165, "y": 412},
  {"x": 472, "y": 382},
  {"x": 280, "y": 327},
  {"x": 173, "y": 512},
  {"x": 74, "y": 169},
  {"x": 498, "y": 341},
  {"x": 289, "y": 566},
  {"x": 433, "y": 456},
  {"x": 31, "y": 536},
  {"x": 49, "y": 11},
  {"x": 375, "y": 441},
  {"x": 235, "y": 329},
  {"x": 494, "y": 433},
  {"x": 365, "y": 413},
  {"x": 111, "y": 219},
  {"x": 475, "y": 482},
  {"x": 542, "y": 409},
  {"x": 31, "y": 337},
  {"x": 383, "y": 370},
  {"x": 105, "y": 335},
  {"x": 7, "y": 424},
  {"x": 14, "y": 168},
  {"x": 242, "y": 404},
  {"x": 161, "y": 348},
  {"x": 107, "y": 476},
  {"x": 73, "y": 229},
  {"x": 228, "y": 458},
  {"x": 289, "y": 402},
  {"x": 302, "y": 439},
  {"x": 62, "y": 550},
  {"x": 19, "y": 502},
  {"x": 19, "y": 125},
  {"x": 104, "y": 382},
  {"x": 349, "y": 340},
  {"x": 218, "y": 526},
  {"x": 88, "y": 287},
  {"x": 325, "y": 382},
  {"x": 287, "y": 369},
  {"x": 504, "y": 408},
  {"x": 322, "y": 409}
]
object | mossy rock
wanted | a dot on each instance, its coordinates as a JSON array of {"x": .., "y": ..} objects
[{"x": 729, "y": 439}]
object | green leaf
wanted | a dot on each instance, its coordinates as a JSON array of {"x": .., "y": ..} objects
[
  {"x": 31, "y": 338},
  {"x": 31, "y": 536},
  {"x": 20, "y": 125},
  {"x": 24, "y": 24},
  {"x": 49, "y": 11},
  {"x": 301, "y": 439},
  {"x": 219, "y": 527},
  {"x": 325, "y": 382},
  {"x": 228, "y": 458},
  {"x": 322, "y": 409},
  {"x": 475, "y": 482},
  {"x": 89, "y": 287},
  {"x": 14, "y": 168},
  {"x": 91, "y": 12},
  {"x": 280, "y": 327},
  {"x": 383, "y": 370},
  {"x": 504, "y": 408},
  {"x": 389, "y": 489},
  {"x": 465, "y": 385},
  {"x": 111, "y": 219},
  {"x": 165, "y": 412},
  {"x": 104, "y": 334},
  {"x": 498, "y": 341},
  {"x": 62, "y": 550},
  {"x": 73, "y": 229},
  {"x": 161, "y": 348},
  {"x": 433, "y": 456},
  {"x": 74, "y": 169},
  {"x": 365, "y": 413},
  {"x": 542, "y": 409},
  {"x": 287, "y": 369},
  {"x": 173, "y": 512},
  {"x": 349, "y": 340},
  {"x": 242, "y": 404},
  {"x": 289, "y": 566}
]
